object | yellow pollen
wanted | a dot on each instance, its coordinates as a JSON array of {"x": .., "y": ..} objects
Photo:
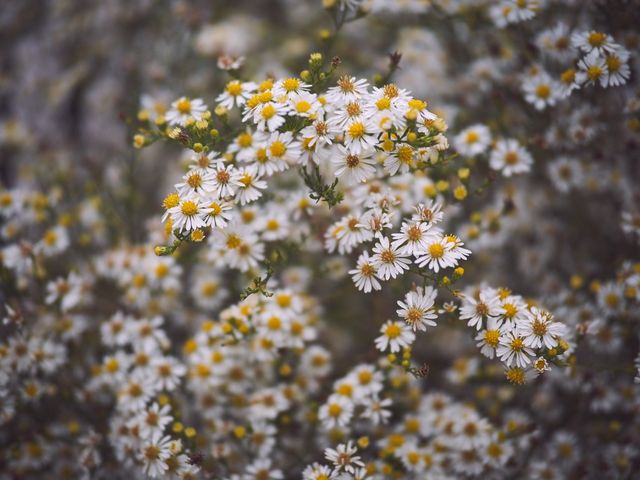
[
  {"x": 345, "y": 84},
  {"x": 383, "y": 104},
  {"x": 215, "y": 208},
  {"x": 596, "y": 39},
  {"x": 594, "y": 72},
  {"x": 334, "y": 410},
  {"x": 278, "y": 148},
  {"x": 194, "y": 180},
  {"x": 391, "y": 90},
  {"x": 233, "y": 241},
  {"x": 245, "y": 140},
  {"x": 436, "y": 250},
  {"x": 393, "y": 330},
  {"x": 291, "y": 84},
  {"x": 356, "y": 130},
  {"x": 234, "y": 88},
  {"x": 303, "y": 106},
  {"x": 189, "y": 208},
  {"x": 268, "y": 111},
  {"x": 184, "y": 106},
  {"x": 517, "y": 344},
  {"x": 353, "y": 109},
  {"x": 492, "y": 337},
  {"x": 543, "y": 91},
  {"x": 472, "y": 137}
]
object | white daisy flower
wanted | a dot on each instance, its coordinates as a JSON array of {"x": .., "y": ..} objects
[
  {"x": 540, "y": 90},
  {"x": 395, "y": 336},
  {"x": 512, "y": 349},
  {"x": 437, "y": 255},
  {"x": 188, "y": 215},
  {"x": 336, "y": 413},
  {"x": 388, "y": 260},
  {"x": 539, "y": 329},
  {"x": 365, "y": 274},
  {"x": 183, "y": 109},
  {"x": 478, "y": 309},
  {"x": 473, "y": 140},
  {"x": 354, "y": 168},
  {"x": 418, "y": 310},
  {"x": 510, "y": 158},
  {"x": 344, "y": 457}
]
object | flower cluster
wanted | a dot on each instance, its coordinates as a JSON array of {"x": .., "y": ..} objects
[{"x": 289, "y": 272}]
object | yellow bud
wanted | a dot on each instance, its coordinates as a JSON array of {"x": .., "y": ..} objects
[
  {"x": 197, "y": 147},
  {"x": 143, "y": 115},
  {"x": 227, "y": 328},
  {"x": 412, "y": 137},
  {"x": 190, "y": 432},
  {"x": 576, "y": 281},
  {"x": 363, "y": 442},
  {"x": 285, "y": 370},
  {"x": 220, "y": 111},
  {"x": 459, "y": 271},
  {"x": 214, "y": 133},
  {"x": 594, "y": 286},
  {"x": 239, "y": 431},
  {"x": 463, "y": 173},
  {"x": 446, "y": 280},
  {"x": 177, "y": 427},
  {"x": 138, "y": 141},
  {"x": 442, "y": 185},
  {"x": 460, "y": 193}
]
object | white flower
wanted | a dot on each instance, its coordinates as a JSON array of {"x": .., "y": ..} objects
[
  {"x": 418, "y": 310},
  {"x": 593, "y": 41},
  {"x": 618, "y": 71},
  {"x": 217, "y": 213},
  {"x": 348, "y": 89},
  {"x": 512, "y": 349},
  {"x": 353, "y": 168},
  {"x": 183, "y": 109},
  {"x": 250, "y": 185},
  {"x": 337, "y": 412},
  {"x": 359, "y": 136},
  {"x": 414, "y": 237},
  {"x": 593, "y": 69},
  {"x": 153, "y": 454},
  {"x": 476, "y": 310},
  {"x": 235, "y": 93},
  {"x": 344, "y": 457},
  {"x": 540, "y": 90},
  {"x": 395, "y": 336},
  {"x": 437, "y": 254},
  {"x": 539, "y": 329},
  {"x": 225, "y": 180},
  {"x": 388, "y": 260},
  {"x": 509, "y": 157},
  {"x": 189, "y": 214},
  {"x": 489, "y": 339},
  {"x": 376, "y": 410},
  {"x": 473, "y": 140},
  {"x": 364, "y": 275}
]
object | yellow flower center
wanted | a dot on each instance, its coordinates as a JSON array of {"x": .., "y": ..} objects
[
  {"x": 189, "y": 208},
  {"x": 436, "y": 250}
]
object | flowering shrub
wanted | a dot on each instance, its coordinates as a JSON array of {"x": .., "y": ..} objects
[{"x": 317, "y": 265}]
